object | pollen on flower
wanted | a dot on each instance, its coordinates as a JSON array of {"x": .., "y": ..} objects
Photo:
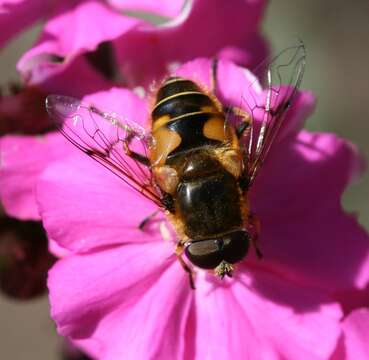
[
  {"x": 164, "y": 231},
  {"x": 76, "y": 119},
  {"x": 173, "y": 66},
  {"x": 139, "y": 91}
]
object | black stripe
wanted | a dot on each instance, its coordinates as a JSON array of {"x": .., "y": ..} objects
[
  {"x": 181, "y": 105},
  {"x": 175, "y": 87}
]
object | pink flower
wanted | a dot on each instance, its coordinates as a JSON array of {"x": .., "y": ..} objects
[
  {"x": 121, "y": 293},
  {"x": 18, "y": 15},
  {"x": 353, "y": 344},
  {"x": 71, "y": 44},
  {"x": 67, "y": 60},
  {"x": 90, "y": 46},
  {"x": 23, "y": 158}
]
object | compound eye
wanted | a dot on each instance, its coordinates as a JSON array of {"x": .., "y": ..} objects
[
  {"x": 206, "y": 254},
  {"x": 235, "y": 246}
]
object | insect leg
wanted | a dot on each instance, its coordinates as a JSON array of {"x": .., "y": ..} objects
[
  {"x": 254, "y": 230},
  {"x": 246, "y": 119},
  {"x": 136, "y": 156},
  {"x": 213, "y": 76},
  {"x": 145, "y": 221},
  {"x": 178, "y": 252}
]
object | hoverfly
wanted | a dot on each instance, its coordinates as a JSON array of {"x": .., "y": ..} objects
[{"x": 195, "y": 164}]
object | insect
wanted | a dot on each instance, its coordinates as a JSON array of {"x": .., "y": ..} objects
[{"x": 195, "y": 163}]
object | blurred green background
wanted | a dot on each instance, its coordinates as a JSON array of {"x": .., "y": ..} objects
[{"x": 336, "y": 34}]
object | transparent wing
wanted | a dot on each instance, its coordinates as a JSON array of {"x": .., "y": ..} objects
[
  {"x": 284, "y": 75},
  {"x": 117, "y": 143}
]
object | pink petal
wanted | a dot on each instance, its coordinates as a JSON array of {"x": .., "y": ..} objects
[
  {"x": 353, "y": 344},
  {"x": 304, "y": 229},
  {"x": 261, "y": 316},
  {"x": 356, "y": 334},
  {"x": 23, "y": 158},
  {"x": 17, "y": 15},
  {"x": 123, "y": 102},
  {"x": 57, "y": 250},
  {"x": 74, "y": 77},
  {"x": 140, "y": 50},
  {"x": 169, "y": 8},
  {"x": 147, "y": 52},
  {"x": 122, "y": 302},
  {"x": 71, "y": 31},
  {"x": 83, "y": 205}
]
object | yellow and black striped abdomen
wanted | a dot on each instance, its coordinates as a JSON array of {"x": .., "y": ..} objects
[
  {"x": 178, "y": 97},
  {"x": 185, "y": 118}
]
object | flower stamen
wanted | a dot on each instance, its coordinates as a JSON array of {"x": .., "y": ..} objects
[{"x": 164, "y": 231}]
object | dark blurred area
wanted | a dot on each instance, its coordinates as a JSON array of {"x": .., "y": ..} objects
[
  {"x": 336, "y": 36},
  {"x": 24, "y": 259}
]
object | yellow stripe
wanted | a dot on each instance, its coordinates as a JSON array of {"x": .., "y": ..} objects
[
  {"x": 177, "y": 95},
  {"x": 173, "y": 81},
  {"x": 161, "y": 121},
  {"x": 193, "y": 113}
]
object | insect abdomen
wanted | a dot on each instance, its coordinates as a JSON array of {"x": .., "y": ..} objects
[
  {"x": 179, "y": 97},
  {"x": 210, "y": 205},
  {"x": 184, "y": 118}
]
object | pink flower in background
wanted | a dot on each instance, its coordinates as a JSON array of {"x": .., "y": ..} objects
[
  {"x": 90, "y": 45},
  {"x": 122, "y": 294},
  {"x": 18, "y": 15},
  {"x": 353, "y": 343},
  {"x": 23, "y": 158},
  {"x": 356, "y": 329}
]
